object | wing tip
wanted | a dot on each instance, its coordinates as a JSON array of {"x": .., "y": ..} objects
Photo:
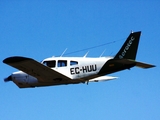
[{"x": 14, "y": 59}]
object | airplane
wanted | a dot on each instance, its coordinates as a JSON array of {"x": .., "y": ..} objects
[{"x": 74, "y": 70}]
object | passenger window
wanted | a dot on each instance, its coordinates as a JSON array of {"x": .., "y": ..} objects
[
  {"x": 73, "y": 63},
  {"x": 50, "y": 63},
  {"x": 62, "y": 63}
]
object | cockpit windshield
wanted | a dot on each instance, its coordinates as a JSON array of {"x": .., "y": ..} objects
[{"x": 51, "y": 64}]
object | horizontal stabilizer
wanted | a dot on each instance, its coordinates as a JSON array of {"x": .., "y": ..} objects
[
  {"x": 144, "y": 65},
  {"x": 102, "y": 78},
  {"x": 136, "y": 63}
]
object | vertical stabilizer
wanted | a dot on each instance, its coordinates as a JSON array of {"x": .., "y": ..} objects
[{"x": 129, "y": 48}]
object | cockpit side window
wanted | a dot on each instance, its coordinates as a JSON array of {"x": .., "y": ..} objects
[
  {"x": 50, "y": 64},
  {"x": 73, "y": 63},
  {"x": 62, "y": 63}
]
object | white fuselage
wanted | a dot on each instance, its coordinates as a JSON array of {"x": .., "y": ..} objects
[{"x": 81, "y": 67}]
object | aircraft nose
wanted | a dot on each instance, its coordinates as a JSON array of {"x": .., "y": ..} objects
[{"x": 9, "y": 78}]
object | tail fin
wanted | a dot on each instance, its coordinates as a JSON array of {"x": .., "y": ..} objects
[{"x": 129, "y": 48}]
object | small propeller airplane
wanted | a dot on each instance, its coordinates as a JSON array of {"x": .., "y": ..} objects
[{"x": 73, "y": 70}]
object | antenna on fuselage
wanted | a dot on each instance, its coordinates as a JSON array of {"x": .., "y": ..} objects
[
  {"x": 86, "y": 54},
  {"x": 102, "y": 53},
  {"x": 63, "y": 52},
  {"x": 131, "y": 31}
]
